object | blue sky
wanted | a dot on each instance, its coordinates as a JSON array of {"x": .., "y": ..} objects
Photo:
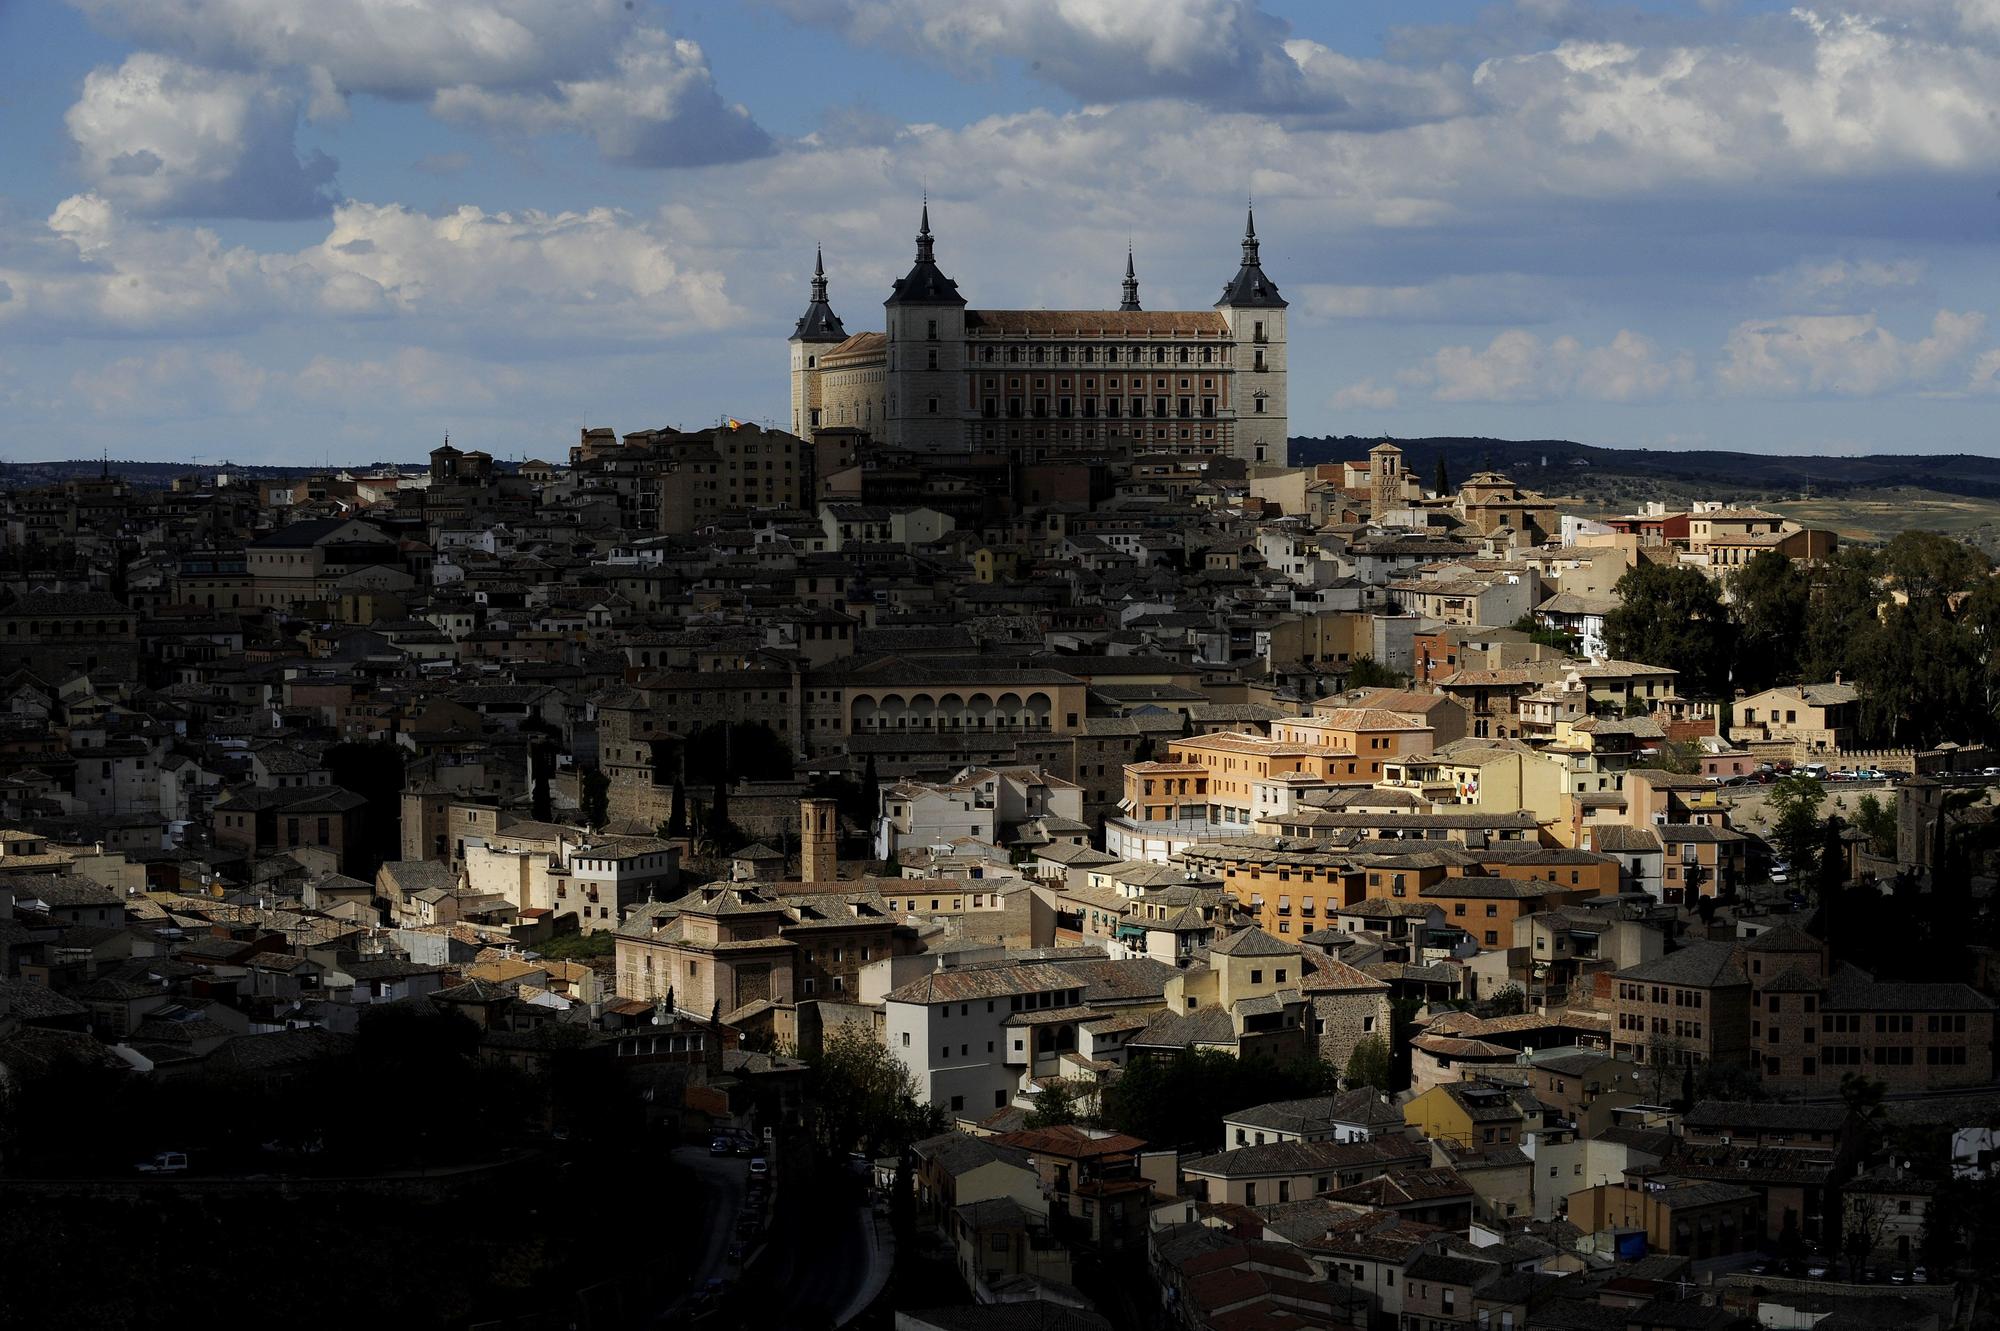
[{"x": 311, "y": 230}]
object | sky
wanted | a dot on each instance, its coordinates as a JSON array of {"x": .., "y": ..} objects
[{"x": 332, "y": 231}]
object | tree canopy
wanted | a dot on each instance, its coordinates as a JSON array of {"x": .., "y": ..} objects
[
  {"x": 1180, "y": 1101},
  {"x": 1914, "y": 625},
  {"x": 859, "y": 1095},
  {"x": 1770, "y": 596},
  {"x": 1369, "y": 1063},
  {"x": 1672, "y": 615}
]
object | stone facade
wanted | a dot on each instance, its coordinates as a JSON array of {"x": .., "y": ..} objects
[{"x": 943, "y": 378}]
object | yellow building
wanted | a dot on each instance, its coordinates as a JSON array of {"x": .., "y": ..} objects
[{"x": 1467, "y": 1114}]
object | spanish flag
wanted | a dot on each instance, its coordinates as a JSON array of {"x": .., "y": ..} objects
[{"x": 735, "y": 424}]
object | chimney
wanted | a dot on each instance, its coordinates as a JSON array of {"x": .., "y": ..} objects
[{"x": 819, "y": 832}]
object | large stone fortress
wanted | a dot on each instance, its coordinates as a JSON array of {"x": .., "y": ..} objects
[{"x": 944, "y": 379}]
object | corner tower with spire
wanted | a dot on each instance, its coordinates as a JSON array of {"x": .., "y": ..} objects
[
  {"x": 1131, "y": 301},
  {"x": 1256, "y": 316},
  {"x": 926, "y": 398},
  {"x": 818, "y": 328}
]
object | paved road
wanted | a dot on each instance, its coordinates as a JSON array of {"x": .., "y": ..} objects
[
  {"x": 722, "y": 1180},
  {"x": 818, "y": 1255}
]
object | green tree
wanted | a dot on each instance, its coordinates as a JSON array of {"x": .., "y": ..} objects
[
  {"x": 1510, "y": 1002},
  {"x": 1771, "y": 598},
  {"x": 1795, "y": 826},
  {"x": 1538, "y": 632},
  {"x": 1922, "y": 678},
  {"x": 1055, "y": 1105},
  {"x": 1846, "y": 596},
  {"x": 1365, "y": 672},
  {"x": 1677, "y": 756},
  {"x": 1878, "y": 823},
  {"x": 1369, "y": 1063},
  {"x": 1443, "y": 486},
  {"x": 1671, "y": 615},
  {"x": 1864, "y": 1098},
  {"x": 1180, "y": 1100},
  {"x": 541, "y": 766},
  {"x": 737, "y": 751},
  {"x": 579, "y": 946},
  {"x": 721, "y": 834},
  {"x": 1930, "y": 568},
  {"x": 596, "y": 797},
  {"x": 858, "y": 1095},
  {"x": 677, "y": 817}
]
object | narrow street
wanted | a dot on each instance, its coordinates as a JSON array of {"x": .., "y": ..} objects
[
  {"x": 817, "y": 1259},
  {"x": 723, "y": 1180}
]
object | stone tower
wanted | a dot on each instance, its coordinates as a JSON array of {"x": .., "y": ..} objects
[
  {"x": 819, "y": 841},
  {"x": 1255, "y": 313},
  {"x": 1385, "y": 479},
  {"x": 818, "y": 328},
  {"x": 926, "y": 369},
  {"x": 1131, "y": 300}
]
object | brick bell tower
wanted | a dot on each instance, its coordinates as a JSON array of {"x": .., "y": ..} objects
[{"x": 819, "y": 841}]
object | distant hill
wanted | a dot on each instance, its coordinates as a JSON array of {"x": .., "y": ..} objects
[
  {"x": 155, "y": 475},
  {"x": 1562, "y": 466},
  {"x": 1554, "y": 466}
]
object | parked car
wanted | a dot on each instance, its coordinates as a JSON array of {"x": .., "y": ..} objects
[
  {"x": 164, "y": 1162},
  {"x": 719, "y": 1146},
  {"x": 1816, "y": 1269},
  {"x": 759, "y": 1167},
  {"x": 1919, "y": 1276}
]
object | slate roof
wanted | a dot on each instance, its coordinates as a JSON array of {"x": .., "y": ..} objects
[
  {"x": 1178, "y": 1030},
  {"x": 1318, "y": 1113},
  {"x": 1704, "y": 965},
  {"x": 960, "y": 1153},
  {"x": 1253, "y": 942},
  {"x": 1852, "y": 988},
  {"x": 30, "y": 1002},
  {"x": 1763, "y": 1116}
]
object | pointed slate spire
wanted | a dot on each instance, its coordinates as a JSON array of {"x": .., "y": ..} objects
[
  {"x": 1131, "y": 301},
  {"x": 819, "y": 323},
  {"x": 1250, "y": 287},
  {"x": 925, "y": 284}
]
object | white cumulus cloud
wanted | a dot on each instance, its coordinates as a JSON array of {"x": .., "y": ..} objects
[
  {"x": 1367, "y": 395},
  {"x": 466, "y": 275},
  {"x": 1519, "y": 366},
  {"x": 1844, "y": 354},
  {"x": 389, "y": 48},
  {"x": 657, "y": 107},
  {"x": 161, "y": 137},
  {"x": 588, "y": 66},
  {"x": 1228, "y": 53},
  {"x": 1838, "y": 283}
]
